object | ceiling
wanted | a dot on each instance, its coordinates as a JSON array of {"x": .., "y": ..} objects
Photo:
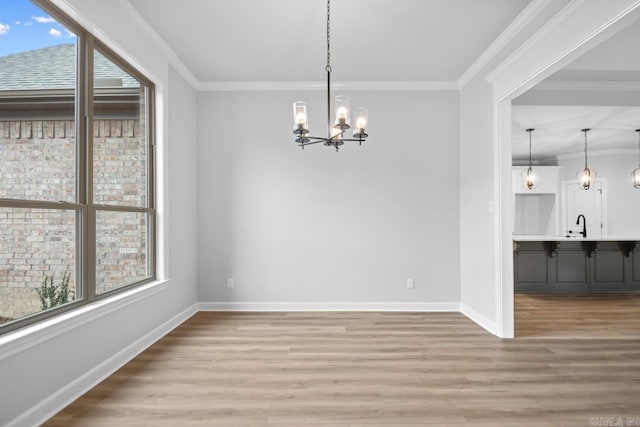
[
  {"x": 372, "y": 40},
  {"x": 558, "y": 129},
  {"x": 605, "y": 109},
  {"x": 392, "y": 40}
]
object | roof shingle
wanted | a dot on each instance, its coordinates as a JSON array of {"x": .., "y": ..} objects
[{"x": 54, "y": 68}]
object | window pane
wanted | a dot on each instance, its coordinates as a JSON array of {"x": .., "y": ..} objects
[
  {"x": 121, "y": 249},
  {"x": 37, "y": 105},
  {"x": 36, "y": 245},
  {"x": 119, "y": 136}
]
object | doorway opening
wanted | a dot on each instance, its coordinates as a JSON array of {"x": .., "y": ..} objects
[{"x": 538, "y": 61}]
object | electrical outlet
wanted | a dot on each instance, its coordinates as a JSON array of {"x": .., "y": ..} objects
[
  {"x": 230, "y": 282},
  {"x": 411, "y": 283}
]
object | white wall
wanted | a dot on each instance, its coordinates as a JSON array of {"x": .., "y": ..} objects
[
  {"x": 318, "y": 226},
  {"x": 535, "y": 214},
  {"x": 41, "y": 376},
  {"x": 623, "y": 200},
  {"x": 477, "y": 226},
  {"x": 480, "y": 209}
]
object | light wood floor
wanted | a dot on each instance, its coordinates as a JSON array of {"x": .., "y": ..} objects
[
  {"x": 578, "y": 316},
  {"x": 374, "y": 369}
]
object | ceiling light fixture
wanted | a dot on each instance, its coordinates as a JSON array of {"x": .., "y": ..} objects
[
  {"x": 636, "y": 172},
  {"x": 529, "y": 179},
  {"x": 587, "y": 176},
  {"x": 335, "y": 134}
]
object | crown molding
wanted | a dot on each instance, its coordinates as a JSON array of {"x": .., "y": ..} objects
[
  {"x": 97, "y": 32},
  {"x": 515, "y": 27},
  {"x": 214, "y": 86},
  {"x": 555, "y": 21},
  {"x": 597, "y": 153},
  {"x": 192, "y": 80},
  {"x": 172, "y": 56},
  {"x": 604, "y": 86}
]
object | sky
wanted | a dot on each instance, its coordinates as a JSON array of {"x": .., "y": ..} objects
[{"x": 24, "y": 26}]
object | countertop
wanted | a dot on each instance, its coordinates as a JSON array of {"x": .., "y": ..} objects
[{"x": 548, "y": 238}]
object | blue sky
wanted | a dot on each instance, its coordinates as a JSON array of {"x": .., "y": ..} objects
[{"x": 24, "y": 26}]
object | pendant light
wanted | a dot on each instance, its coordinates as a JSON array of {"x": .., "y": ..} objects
[
  {"x": 529, "y": 179},
  {"x": 587, "y": 176},
  {"x": 636, "y": 172}
]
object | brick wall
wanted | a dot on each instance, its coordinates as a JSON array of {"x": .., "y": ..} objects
[{"x": 37, "y": 162}]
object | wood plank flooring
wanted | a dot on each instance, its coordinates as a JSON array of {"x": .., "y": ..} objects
[
  {"x": 602, "y": 316},
  {"x": 380, "y": 369}
]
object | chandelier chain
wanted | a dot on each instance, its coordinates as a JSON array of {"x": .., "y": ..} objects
[{"x": 328, "y": 67}]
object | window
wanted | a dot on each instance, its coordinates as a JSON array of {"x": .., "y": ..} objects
[{"x": 77, "y": 217}]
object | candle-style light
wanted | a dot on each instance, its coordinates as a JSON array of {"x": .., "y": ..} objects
[
  {"x": 362, "y": 117},
  {"x": 300, "y": 118},
  {"x": 342, "y": 121}
]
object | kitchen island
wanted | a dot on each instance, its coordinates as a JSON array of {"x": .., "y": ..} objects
[{"x": 572, "y": 265}]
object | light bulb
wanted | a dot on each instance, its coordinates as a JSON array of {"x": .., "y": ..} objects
[
  {"x": 586, "y": 178},
  {"x": 529, "y": 178},
  {"x": 301, "y": 118},
  {"x": 361, "y": 123},
  {"x": 530, "y": 181},
  {"x": 341, "y": 113}
]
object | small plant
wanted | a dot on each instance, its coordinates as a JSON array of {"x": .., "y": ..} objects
[{"x": 52, "y": 295}]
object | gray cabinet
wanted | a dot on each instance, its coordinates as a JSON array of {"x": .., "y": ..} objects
[
  {"x": 568, "y": 267},
  {"x": 571, "y": 269}
]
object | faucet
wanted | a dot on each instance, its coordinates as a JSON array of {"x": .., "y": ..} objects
[{"x": 584, "y": 225}]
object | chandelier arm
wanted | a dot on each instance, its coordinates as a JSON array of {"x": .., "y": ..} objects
[{"x": 312, "y": 142}]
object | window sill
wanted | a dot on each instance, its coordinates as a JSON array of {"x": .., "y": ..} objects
[{"x": 22, "y": 339}]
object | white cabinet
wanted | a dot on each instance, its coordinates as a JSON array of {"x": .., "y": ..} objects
[
  {"x": 548, "y": 182},
  {"x": 536, "y": 211}
]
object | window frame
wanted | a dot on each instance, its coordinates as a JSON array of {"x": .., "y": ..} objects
[{"x": 84, "y": 206}]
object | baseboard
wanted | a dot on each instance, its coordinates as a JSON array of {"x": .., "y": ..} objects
[
  {"x": 44, "y": 410},
  {"x": 480, "y": 319},
  {"x": 329, "y": 306}
]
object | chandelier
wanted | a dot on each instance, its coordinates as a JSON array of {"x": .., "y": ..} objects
[{"x": 342, "y": 122}]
